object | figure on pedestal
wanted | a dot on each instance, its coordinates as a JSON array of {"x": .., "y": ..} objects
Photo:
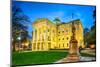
[
  {"x": 73, "y": 55},
  {"x": 73, "y": 47}
]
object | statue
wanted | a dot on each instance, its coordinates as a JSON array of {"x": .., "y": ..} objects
[{"x": 73, "y": 48}]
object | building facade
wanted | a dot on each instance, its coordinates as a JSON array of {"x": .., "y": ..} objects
[{"x": 48, "y": 35}]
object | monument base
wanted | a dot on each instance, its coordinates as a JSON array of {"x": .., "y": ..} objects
[{"x": 71, "y": 58}]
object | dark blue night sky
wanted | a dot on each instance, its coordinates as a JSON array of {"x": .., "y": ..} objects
[{"x": 36, "y": 10}]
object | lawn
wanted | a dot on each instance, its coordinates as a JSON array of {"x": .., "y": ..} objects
[
  {"x": 40, "y": 57},
  {"x": 44, "y": 57}
]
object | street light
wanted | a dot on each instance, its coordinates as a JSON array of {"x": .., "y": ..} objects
[
  {"x": 12, "y": 46},
  {"x": 12, "y": 39},
  {"x": 19, "y": 39}
]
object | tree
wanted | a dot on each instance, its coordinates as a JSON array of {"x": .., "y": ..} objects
[
  {"x": 19, "y": 24},
  {"x": 86, "y": 36},
  {"x": 90, "y": 35},
  {"x": 93, "y": 29}
]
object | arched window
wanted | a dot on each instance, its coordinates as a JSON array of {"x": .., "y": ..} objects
[
  {"x": 67, "y": 45},
  {"x": 59, "y": 39},
  {"x": 49, "y": 45},
  {"x": 63, "y": 44},
  {"x": 67, "y": 38}
]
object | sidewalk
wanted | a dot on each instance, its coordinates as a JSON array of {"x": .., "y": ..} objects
[{"x": 81, "y": 59}]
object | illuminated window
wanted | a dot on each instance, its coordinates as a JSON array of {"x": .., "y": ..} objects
[
  {"x": 49, "y": 45},
  {"x": 53, "y": 31},
  {"x": 63, "y": 45},
  {"x": 59, "y": 39},
  {"x": 48, "y": 30},
  {"x": 53, "y": 39},
  {"x": 59, "y": 45},
  {"x": 38, "y": 46},
  {"x": 41, "y": 45},
  {"x": 34, "y": 45},
  {"x": 44, "y": 31},
  {"x": 48, "y": 38},
  {"x": 42, "y": 39},
  {"x": 67, "y": 38},
  {"x": 67, "y": 44}
]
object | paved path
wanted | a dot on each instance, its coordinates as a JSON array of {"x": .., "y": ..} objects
[{"x": 81, "y": 59}]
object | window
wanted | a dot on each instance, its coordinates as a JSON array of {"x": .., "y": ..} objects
[
  {"x": 59, "y": 39},
  {"x": 48, "y": 30},
  {"x": 41, "y": 45},
  {"x": 42, "y": 39},
  {"x": 63, "y": 38},
  {"x": 59, "y": 45},
  {"x": 49, "y": 45},
  {"x": 38, "y": 46},
  {"x": 63, "y": 45},
  {"x": 53, "y": 31},
  {"x": 44, "y": 31},
  {"x": 67, "y": 44},
  {"x": 53, "y": 39},
  {"x": 48, "y": 38},
  {"x": 40, "y": 32},
  {"x": 67, "y": 38},
  {"x": 34, "y": 46}
]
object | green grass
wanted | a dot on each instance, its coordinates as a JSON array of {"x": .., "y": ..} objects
[
  {"x": 44, "y": 57},
  {"x": 40, "y": 57}
]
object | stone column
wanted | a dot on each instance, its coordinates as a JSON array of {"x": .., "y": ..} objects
[
  {"x": 46, "y": 39},
  {"x": 36, "y": 46},
  {"x": 36, "y": 39},
  {"x": 33, "y": 40}
]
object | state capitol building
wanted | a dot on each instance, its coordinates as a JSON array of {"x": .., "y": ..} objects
[{"x": 55, "y": 35}]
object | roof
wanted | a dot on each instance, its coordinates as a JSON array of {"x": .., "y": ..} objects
[
  {"x": 71, "y": 22},
  {"x": 42, "y": 19}
]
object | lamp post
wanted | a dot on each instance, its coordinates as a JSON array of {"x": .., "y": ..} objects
[
  {"x": 12, "y": 39},
  {"x": 12, "y": 46},
  {"x": 19, "y": 40}
]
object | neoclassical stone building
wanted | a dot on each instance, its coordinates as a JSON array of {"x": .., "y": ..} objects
[{"x": 48, "y": 35}]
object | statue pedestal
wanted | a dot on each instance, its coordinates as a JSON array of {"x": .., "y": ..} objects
[
  {"x": 73, "y": 51},
  {"x": 73, "y": 58}
]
